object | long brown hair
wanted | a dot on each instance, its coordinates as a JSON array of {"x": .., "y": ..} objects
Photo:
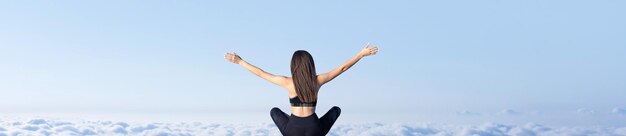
[{"x": 304, "y": 76}]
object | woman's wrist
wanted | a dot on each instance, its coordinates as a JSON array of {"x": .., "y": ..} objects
[
  {"x": 240, "y": 62},
  {"x": 361, "y": 55}
]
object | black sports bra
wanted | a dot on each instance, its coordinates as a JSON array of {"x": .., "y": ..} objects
[{"x": 295, "y": 101}]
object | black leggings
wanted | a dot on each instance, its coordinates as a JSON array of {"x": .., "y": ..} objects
[{"x": 304, "y": 126}]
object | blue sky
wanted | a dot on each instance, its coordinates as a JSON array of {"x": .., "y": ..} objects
[{"x": 542, "y": 60}]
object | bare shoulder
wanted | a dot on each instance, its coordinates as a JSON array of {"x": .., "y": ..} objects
[
  {"x": 291, "y": 88},
  {"x": 289, "y": 83},
  {"x": 322, "y": 78}
]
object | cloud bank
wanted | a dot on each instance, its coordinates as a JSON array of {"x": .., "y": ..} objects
[{"x": 41, "y": 126}]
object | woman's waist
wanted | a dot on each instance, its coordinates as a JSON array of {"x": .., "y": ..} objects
[{"x": 302, "y": 111}]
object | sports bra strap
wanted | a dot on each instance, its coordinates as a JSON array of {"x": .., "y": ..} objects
[{"x": 295, "y": 101}]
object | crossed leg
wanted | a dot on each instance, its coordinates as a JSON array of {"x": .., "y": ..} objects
[
  {"x": 280, "y": 118},
  {"x": 327, "y": 121}
]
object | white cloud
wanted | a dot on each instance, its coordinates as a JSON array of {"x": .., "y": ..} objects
[
  {"x": 509, "y": 112},
  {"x": 620, "y": 111},
  {"x": 585, "y": 111},
  {"x": 467, "y": 113},
  {"x": 58, "y": 127},
  {"x": 621, "y": 131}
]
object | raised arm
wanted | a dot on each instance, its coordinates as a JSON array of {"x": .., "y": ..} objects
[
  {"x": 366, "y": 51},
  {"x": 278, "y": 80}
]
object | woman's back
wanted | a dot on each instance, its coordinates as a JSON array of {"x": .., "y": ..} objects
[{"x": 300, "y": 111}]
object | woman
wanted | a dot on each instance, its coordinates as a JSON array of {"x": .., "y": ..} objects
[{"x": 303, "y": 86}]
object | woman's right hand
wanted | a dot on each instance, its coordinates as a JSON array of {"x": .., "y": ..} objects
[
  {"x": 232, "y": 57},
  {"x": 367, "y": 50}
]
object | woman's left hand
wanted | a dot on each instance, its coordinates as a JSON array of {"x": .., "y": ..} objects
[{"x": 232, "y": 57}]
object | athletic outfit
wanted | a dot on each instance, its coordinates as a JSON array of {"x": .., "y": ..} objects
[{"x": 304, "y": 126}]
